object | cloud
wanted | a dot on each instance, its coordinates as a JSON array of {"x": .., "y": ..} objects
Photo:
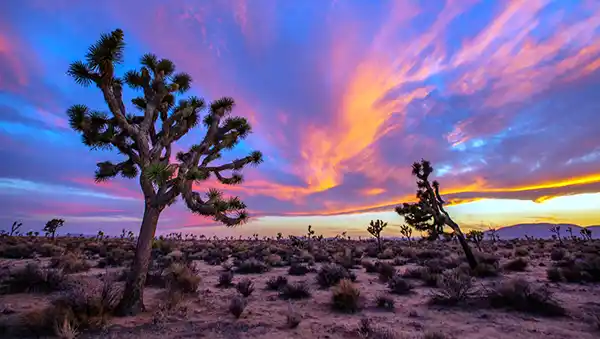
[{"x": 343, "y": 97}]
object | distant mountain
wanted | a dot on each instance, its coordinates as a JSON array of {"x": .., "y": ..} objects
[{"x": 542, "y": 230}]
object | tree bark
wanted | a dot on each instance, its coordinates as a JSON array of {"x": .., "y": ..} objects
[
  {"x": 132, "y": 302},
  {"x": 463, "y": 243}
]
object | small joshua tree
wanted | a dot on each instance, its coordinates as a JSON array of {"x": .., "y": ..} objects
[
  {"x": 493, "y": 234},
  {"x": 570, "y": 231},
  {"x": 279, "y": 236},
  {"x": 14, "y": 229},
  {"x": 586, "y": 234},
  {"x": 428, "y": 213},
  {"x": 556, "y": 231},
  {"x": 52, "y": 226},
  {"x": 475, "y": 237},
  {"x": 146, "y": 141},
  {"x": 375, "y": 228},
  {"x": 406, "y": 231}
]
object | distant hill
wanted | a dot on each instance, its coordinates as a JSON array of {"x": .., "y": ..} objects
[{"x": 542, "y": 230}]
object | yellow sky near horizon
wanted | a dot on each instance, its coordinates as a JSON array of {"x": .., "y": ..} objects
[{"x": 580, "y": 209}]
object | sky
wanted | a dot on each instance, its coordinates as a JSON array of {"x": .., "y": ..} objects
[{"x": 503, "y": 97}]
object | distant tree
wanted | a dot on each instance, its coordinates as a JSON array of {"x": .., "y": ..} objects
[
  {"x": 375, "y": 228},
  {"x": 146, "y": 140},
  {"x": 428, "y": 213},
  {"x": 476, "y": 237},
  {"x": 493, "y": 234},
  {"x": 52, "y": 226},
  {"x": 279, "y": 236},
  {"x": 16, "y": 226},
  {"x": 556, "y": 230},
  {"x": 406, "y": 231},
  {"x": 570, "y": 231},
  {"x": 100, "y": 235},
  {"x": 586, "y": 233}
]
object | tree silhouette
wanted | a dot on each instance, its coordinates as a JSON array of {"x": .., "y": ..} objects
[
  {"x": 52, "y": 226},
  {"x": 146, "y": 140},
  {"x": 14, "y": 229},
  {"x": 375, "y": 228},
  {"x": 428, "y": 213}
]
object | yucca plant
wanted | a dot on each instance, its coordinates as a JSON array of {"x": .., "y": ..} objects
[{"x": 146, "y": 139}]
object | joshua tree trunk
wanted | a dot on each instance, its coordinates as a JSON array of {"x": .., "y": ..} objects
[
  {"x": 133, "y": 302},
  {"x": 463, "y": 243}
]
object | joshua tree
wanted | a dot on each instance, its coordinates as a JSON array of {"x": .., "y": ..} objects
[
  {"x": 428, "y": 213},
  {"x": 556, "y": 230},
  {"x": 375, "y": 228},
  {"x": 279, "y": 236},
  {"x": 493, "y": 234},
  {"x": 52, "y": 226},
  {"x": 586, "y": 233},
  {"x": 15, "y": 227},
  {"x": 406, "y": 231},
  {"x": 475, "y": 237},
  {"x": 146, "y": 140}
]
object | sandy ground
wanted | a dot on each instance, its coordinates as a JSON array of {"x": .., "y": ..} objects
[{"x": 206, "y": 314}]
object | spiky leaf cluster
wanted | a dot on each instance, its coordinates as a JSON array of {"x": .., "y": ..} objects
[
  {"x": 146, "y": 137},
  {"x": 376, "y": 227}
]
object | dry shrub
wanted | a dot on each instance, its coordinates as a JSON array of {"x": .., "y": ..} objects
[
  {"x": 237, "y": 306},
  {"x": 386, "y": 271},
  {"x": 292, "y": 318},
  {"x": 558, "y": 254},
  {"x": 455, "y": 287},
  {"x": 297, "y": 290},
  {"x": 69, "y": 263},
  {"x": 331, "y": 274},
  {"x": 245, "y": 287},
  {"x": 366, "y": 330},
  {"x": 518, "y": 265},
  {"x": 398, "y": 285},
  {"x": 32, "y": 278},
  {"x": 384, "y": 302},
  {"x": 252, "y": 266},
  {"x": 225, "y": 279},
  {"x": 345, "y": 297},
  {"x": 276, "y": 283},
  {"x": 520, "y": 295},
  {"x": 182, "y": 277}
]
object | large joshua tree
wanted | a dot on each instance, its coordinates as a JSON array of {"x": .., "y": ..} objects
[
  {"x": 428, "y": 213},
  {"x": 146, "y": 140}
]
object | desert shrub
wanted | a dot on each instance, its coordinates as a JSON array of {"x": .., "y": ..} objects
[
  {"x": 385, "y": 270},
  {"x": 422, "y": 273},
  {"x": 554, "y": 274},
  {"x": 434, "y": 335},
  {"x": 182, "y": 277},
  {"x": 519, "y": 265},
  {"x": 398, "y": 285},
  {"x": 454, "y": 287},
  {"x": 368, "y": 331},
  {"x": 251, "y": 266},
  {"x": 384, "y": 302},
  {"x": 369, "y": 266},
  {"x": 484, "y": 270},
  {"x": 245, "y": 287},
  {"x": 18, "y": 251},
  {"x": 297, "y": 290},
  {"x": 276, "y": 283},
  {"x": 388, "y": 253},
  {"x": 69, "y": 263},
  {"x": 225, "y": 279},
  {"x": 557, "y": 254},
  {"x": 292, "y": 318},
  {"x": 331, "y": 274},
  {"x": 585, "y": 269},
  {"x": 298, "y": 269},
  {"x": 237, "y": 306},
  {"x": 520, "y": 295},
  {"x": 399, "y": 261},
  {"x": 49, "y": 250},
  {"x": 274, "y": 260},
  {"x": 521, "y": 252},
  {"x": 32, "y": 278},
  {"x": 116, "y": 257},
  {"x": 345, "y": 297}
]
